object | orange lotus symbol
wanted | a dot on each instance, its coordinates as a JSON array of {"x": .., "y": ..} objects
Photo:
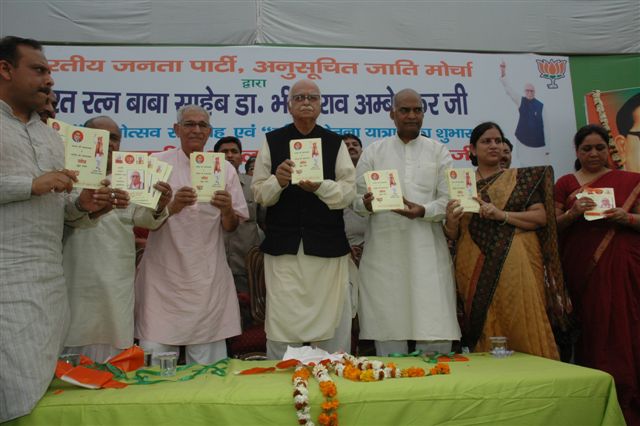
[{"x": 552, "y": 69}]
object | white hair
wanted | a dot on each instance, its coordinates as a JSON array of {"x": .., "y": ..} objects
[{"x": 191, "y": 107}]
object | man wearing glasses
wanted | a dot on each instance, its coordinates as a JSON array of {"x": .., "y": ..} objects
[
  {"x": 306, "y": 249},
  {"x": 407, "y": 289},
  {"x": 185, "y": 294}
]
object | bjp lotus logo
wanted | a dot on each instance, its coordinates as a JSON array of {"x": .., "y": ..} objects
[{"x": 552, "y": 69}]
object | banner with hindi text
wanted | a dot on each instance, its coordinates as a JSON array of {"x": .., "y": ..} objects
[{"x": 245, "y": 89}]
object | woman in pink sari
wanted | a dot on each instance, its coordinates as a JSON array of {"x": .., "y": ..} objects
[{"x": 601, "y": 261}]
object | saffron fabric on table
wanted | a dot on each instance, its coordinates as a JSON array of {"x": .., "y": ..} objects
[
  {"x": 606, "y": 300},
  {"x": 519, "y": 390}
]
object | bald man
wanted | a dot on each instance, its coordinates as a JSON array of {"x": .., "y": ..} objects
[
  {"x": 407, "y": 287},
  {"x": 99, "y": 267}
]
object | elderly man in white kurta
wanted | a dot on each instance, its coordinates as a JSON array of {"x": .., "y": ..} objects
[
  {"x": 185, "y": 294},
  {"x": 407, "y": 288},
  {"x": 34, "y": 310},
  {"x": 306, "y": 249},
  {"x": 99, "y": 267}
]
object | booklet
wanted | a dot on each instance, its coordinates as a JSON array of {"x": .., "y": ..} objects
[
  {"x": 604, "y": 199},
  {"x": 129, "y": 173},
  {"x": 385, "y": 187},
  {"x": 307, "y": 156},
  {"x": 207, "y": 173},
  {"x": 462, "y": 187},
  {"x": 85, "y": 152},
  {"x": 136, "y": 173},
  {"x": 160, "y": 172}
]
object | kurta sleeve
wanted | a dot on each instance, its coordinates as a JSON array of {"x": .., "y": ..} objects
[
  {"x": 265, "y": 186},
  {"x": 434, "y": 211},
  {"x": 234, "y": 188},
  {"x": 74, "y": 217},
  {"x": 365, "y": 164},
  {"x": 510, "y": 92},
  {"x": 340, "y": 193},
  {"x": 14, "y": 188},
  {"x": 144, "y": 217}
]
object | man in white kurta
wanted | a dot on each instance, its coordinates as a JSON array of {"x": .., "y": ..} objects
[
  {"x": 185, "y": 294},
  {"x": 99, "y": 267},
  {"x": 34, "y": 310},
  {"x": 306, "y": 263},
  {"x": 407, "y": 289}
]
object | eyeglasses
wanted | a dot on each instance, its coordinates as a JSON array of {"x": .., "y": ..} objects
[
  {"x": 487, "y": 141},
  {"x": 406, "y": 111},
  {"x": 192, "y": 125},
  {"x": 301, "y": 98}
]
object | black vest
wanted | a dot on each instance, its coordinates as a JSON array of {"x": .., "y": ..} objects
[{"x": 299, "y": 214}]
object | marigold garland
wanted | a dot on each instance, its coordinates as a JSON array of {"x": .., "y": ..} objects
[
  {"x": 329, "y": 415},
  {"x": 351, "y": 368},
  {"x": 301, "y": 395},
  {"x": 361, "y": 369},
  {"x": 604, "y": 122}
]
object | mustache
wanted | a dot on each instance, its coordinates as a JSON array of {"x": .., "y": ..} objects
[{"x": 45, "y": 90}]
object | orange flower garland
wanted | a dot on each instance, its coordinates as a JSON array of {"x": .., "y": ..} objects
[
  {"x": 301, "y": 395},
  {"x": 329, "y": 415},
  {"x": 351, "y": 368},
  {"x": 363, "y": 370}
]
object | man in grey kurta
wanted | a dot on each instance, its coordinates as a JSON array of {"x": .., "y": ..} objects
[{"x": 34, "y": 312}]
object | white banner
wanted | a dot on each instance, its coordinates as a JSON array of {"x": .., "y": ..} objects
[{"x": 245, "y": 89}]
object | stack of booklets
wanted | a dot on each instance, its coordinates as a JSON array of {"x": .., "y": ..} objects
[
  {"x": 136, "y": 173},
  {"x": 86, "y": 152}
]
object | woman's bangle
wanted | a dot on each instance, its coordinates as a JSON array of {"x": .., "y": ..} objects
[
  {"x": 632, "y": 219},
  {"x": 506, "y": 218}
]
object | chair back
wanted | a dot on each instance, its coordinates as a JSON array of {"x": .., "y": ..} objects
[{"x": 257, "y": 289}]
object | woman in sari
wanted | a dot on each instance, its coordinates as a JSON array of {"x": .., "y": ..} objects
[
  {"x": 504, "y": 276},
  {"x": 601, "y": 260}
]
